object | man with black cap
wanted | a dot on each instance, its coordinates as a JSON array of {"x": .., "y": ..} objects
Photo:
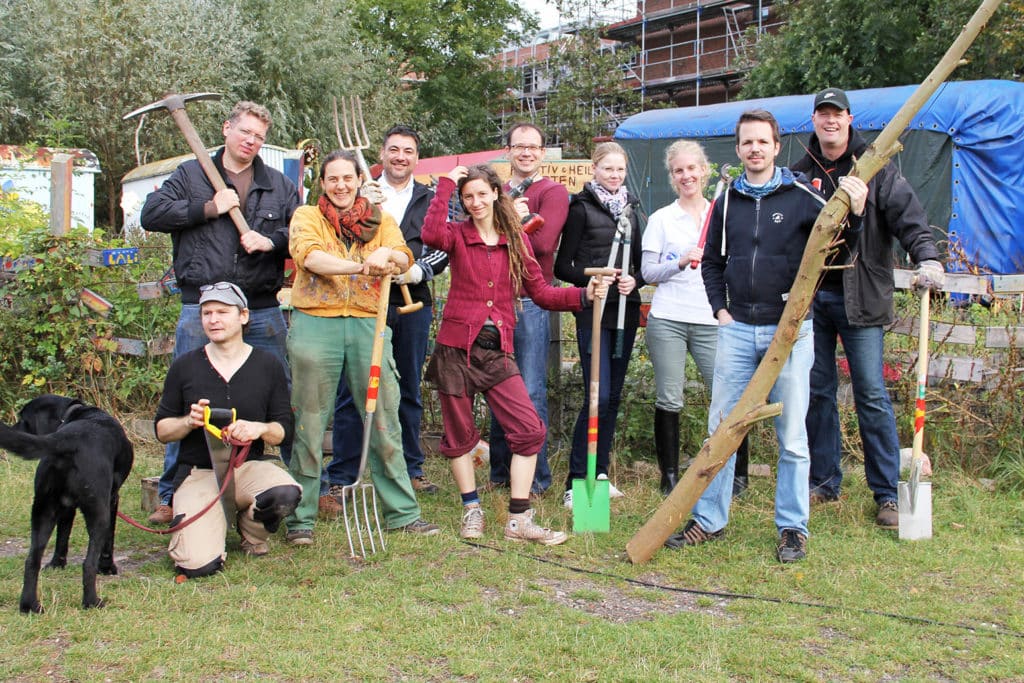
[
  {"x": 226, "y": 373},
  {"x": 854, "y": 304}
]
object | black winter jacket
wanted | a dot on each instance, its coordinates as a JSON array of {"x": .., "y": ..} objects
[
  {"x": 209, "y": 251},
  {"x": 432, "y": 261},
  {"x": 893, "y": 211},
  {"x": 587, "y": 243},
  {"x": 750, "y": 275}
]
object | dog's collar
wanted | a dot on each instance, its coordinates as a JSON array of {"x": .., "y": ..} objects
[{"x": 72, "y": 409}]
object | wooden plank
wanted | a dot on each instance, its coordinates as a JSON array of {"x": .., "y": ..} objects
[
  {"x": 149, "y": 290},
  {"x": 962, "y": 283},
  {"x": 957, "y": 368},
  {"x": 1004, "y": 337},
  {"x": 15, "y": 265},
  {"x": 61, "y": 166},
  {"x": 95, "y": 303},
  {"x": 160, "y": 346},
  {"x": 939, "y": 332},
  {"x": 1008, "y": 284},
  {"x": 105, "y": 258}
]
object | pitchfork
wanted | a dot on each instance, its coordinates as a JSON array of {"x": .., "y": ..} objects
[
  {"x": 356, "y": 140},
  {"x": 362, "y": 493}
]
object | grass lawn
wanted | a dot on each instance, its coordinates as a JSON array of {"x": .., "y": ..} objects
[{"x": 863, "y": 606}]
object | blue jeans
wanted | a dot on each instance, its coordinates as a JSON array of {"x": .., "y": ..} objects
[
  {"x": 266, "y": 330},
  {"x": 740, "y": 349},
  {"x": 875, "y": 417},
  {"x": 613, "y": 376},
  {"x": 531, "y": 340},
  {"x": 409, "y": 348}
]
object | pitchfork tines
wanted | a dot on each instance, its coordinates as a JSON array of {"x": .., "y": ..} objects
[
  {"x": 356, "y": 138},
  {"x": 360, "y": 528}
]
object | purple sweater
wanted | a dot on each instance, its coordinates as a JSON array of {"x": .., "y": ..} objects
[{"x": 481, "y": 286}]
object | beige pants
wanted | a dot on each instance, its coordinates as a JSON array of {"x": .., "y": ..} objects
[{"x": 202, "y": 542}]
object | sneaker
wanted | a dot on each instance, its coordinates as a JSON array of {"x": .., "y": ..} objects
[
  {"x": 614, "y": 492},
  {"x": 472, "y": 521},
  {"x": 421, "y": 484},
  {"x": 693, "y": 534},
  {"x": 255, "y": 549},
  {"x": 299, "y": 537},
  {"x": 888, "y": 516},
  {"x": 521, "y": 527},
  {"x": 792, "y": 546},
  {"x": 419, "y": 527},
  {"x": 567, "y": 500},
  {"x": 329, "y": 507},
  {"x": 162, "y": 515}
]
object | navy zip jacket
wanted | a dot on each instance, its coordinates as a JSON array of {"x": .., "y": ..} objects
[
  {"x": 432, "y": 261},
  {"x": 750, "y": 267}
]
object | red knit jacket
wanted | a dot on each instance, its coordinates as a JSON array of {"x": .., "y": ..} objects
[{"x": 481, "y": 285}]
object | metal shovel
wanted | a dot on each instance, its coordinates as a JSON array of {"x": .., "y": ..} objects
[{"x": 915, "y": 496}]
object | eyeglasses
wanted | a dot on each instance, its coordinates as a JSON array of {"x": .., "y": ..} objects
[
  {"x": 247, "y": 134},
  {"x": 526, "y": 148},
  {"x": 222, "y": 286}
]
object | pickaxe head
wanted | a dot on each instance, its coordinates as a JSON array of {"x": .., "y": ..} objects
[{"x": 172, "y": 102}]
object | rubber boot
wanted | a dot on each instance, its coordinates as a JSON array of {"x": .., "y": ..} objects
[
  {"x": 666, "y": 443},
  {"x": 740, "y": 480}
]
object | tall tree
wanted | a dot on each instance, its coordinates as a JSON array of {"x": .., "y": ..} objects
[
  {"x": 442, "y": 47},
  {"x": 88, "y": 62},
  {"x": 589, "y": 92},
  {"x": 868, "y": 44}
]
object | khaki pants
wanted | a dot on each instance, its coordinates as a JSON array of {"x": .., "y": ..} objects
[{"x": 202, "y": 542}]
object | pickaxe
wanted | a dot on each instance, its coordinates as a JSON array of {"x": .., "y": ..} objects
[
  {"x": 175, "y": 104},
  {"x": 356, "y": 140}
]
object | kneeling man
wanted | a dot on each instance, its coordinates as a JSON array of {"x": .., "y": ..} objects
[{"x": 226, "y": 373}]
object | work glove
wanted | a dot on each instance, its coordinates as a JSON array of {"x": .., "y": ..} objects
[
  {"x": 929, "y": 275},
  {"x": 371, "y": 190},
  {"x": 413, "y": 276}
]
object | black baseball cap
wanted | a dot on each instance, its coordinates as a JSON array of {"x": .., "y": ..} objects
[{"x": 833, "y": 96}]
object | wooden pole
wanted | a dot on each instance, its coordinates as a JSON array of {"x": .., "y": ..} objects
[
  {"x": 751, "y": 407},
  {"x": 61, "y": 166}
]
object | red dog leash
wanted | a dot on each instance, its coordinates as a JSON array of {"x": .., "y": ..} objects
[{"x": 239, "y": 452}]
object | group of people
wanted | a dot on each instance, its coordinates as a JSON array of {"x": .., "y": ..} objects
[{"x": 720, "y": 303}]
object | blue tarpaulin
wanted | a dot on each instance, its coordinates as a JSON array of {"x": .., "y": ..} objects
[{"x": 968, "y": 164}]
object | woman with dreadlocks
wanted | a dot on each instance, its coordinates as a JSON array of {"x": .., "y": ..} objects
[
  {"x": 489, "y": 262},
  {"x": 342, "y": 247}
]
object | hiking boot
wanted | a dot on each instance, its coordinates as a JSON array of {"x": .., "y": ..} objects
[
  {"x": 521, "y": 527},
  {"x": 419, "y": 527},
  {"x": 472, "y": 521},
  {"x": 567, "y": 500},
  {"x": 888, "y": 516},
  {"x": 693, "y": 534},
  {"x": 255, "y": 549},
  {"x": 162, "y": 515},
  {"x": 299, "y": 537},
  {"x": 421, "y": 484},
  {"x": 792, "y": 546},
  {"x": 739, "y": 485},
  {"x": 329, "y": 507}
]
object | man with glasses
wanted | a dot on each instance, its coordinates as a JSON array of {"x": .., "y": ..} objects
[
  {"x": 207, "y": 246},
  {"x": 549, "y": 200}
]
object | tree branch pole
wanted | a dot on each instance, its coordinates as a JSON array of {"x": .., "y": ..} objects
[{"x": 751, "y": 407}]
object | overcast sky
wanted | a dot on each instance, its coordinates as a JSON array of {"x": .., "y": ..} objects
[{"x": 544, "y": 9}]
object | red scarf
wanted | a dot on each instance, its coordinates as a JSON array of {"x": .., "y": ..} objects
[{"x": 361, "y": 222}]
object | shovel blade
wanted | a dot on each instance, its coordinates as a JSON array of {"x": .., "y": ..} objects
[
  {"x": 916, "y": 518},
  {"x": 591, "y": 505}
]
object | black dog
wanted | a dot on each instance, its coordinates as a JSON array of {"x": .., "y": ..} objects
[{"x": 84, "y": 457}]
